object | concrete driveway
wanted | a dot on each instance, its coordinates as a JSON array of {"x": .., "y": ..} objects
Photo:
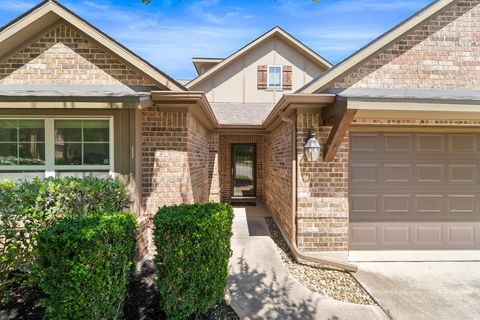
[{"x": 424, "y": 290}]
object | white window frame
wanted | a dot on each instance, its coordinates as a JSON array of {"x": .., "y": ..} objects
[
  {"x": 50, "y": 168},
  {"x": 268, "y": 77}
]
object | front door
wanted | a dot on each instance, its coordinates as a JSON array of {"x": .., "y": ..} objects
[{"x": 243, "y": 170}]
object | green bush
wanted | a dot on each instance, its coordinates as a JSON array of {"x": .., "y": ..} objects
[
  {"x": 193, "y": 248},
  {"x": 29, "y": 206},
  {"x": 84, "y": 264}
]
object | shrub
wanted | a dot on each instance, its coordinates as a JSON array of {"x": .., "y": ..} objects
[
  {"x": 84, "y": 264},
  {"x": 193, "y": 248},
  {"x": 29, "y": 206}
]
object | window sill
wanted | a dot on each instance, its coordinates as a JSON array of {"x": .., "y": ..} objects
[{"x": 274, "y": 90}]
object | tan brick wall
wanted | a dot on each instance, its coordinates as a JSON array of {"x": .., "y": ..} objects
[
  {"x": 177, "y": 164},
  {"x": 226, "y": 162},
  {"x": 322, "y": 193},
  {"x": 278, "y": 175},
  {"x": 62, "y": 55},
  {"x": 214, "y": 166},
  {"x": 198, "y": 148},
  {"x": 442, "y": 54}
]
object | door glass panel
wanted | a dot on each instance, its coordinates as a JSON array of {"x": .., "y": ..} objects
[{"x": 244, "y": 171}]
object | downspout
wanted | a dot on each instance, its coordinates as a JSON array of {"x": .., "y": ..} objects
[{"x": 297, "y": 253}]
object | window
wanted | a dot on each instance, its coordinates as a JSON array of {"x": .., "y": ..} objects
[
  {"x": 22, "y": 142},
  {"x": 81, "y": 142},
  {"x": 274, "y": 77},
  {"x": 52, "y": 146}
]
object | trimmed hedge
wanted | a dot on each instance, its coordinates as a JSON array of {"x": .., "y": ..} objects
[
  {"x": 193, "y": 248},
  {"x": 84, "y": 264},
  {"x": 30, "y": 206}
]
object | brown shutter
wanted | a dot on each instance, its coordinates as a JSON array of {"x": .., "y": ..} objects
[
  {"x": 287, "y": 78},
  {"x": 262, "y": 78}
]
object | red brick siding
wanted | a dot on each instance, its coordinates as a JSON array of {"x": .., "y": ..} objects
[
  {"x": 322, "y": 193},
  {"x": 443, "y": 53},
  {"x": 62, "y": 55},
  {"x": 278, "y": 175}
]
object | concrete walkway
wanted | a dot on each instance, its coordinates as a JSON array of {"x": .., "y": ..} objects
[
  {"x": 261, "y": 288},
  {"x": 424, "y": 290}
]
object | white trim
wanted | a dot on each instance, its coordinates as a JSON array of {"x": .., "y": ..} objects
[
  {"x": 50, "y": 168},
  {"x": 268, "y": 77}
]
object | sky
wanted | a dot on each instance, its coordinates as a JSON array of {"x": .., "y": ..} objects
[{"x": 168, "y": 33}]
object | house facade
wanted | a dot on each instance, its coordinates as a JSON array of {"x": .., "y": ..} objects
[{"x": 397, "y": 122}]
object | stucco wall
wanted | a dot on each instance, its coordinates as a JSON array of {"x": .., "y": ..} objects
[
  {"x": 278, "y": 175},
  {"x": 441, "y": 54},
  {"x": 237, "y": 82}
]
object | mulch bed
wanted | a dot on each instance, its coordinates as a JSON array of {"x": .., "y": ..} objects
[
  {"x": 142, "y": 302},
  {"x": 327, "y": 281}
]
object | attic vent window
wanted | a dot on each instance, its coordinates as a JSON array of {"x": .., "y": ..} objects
[{"x": 274, "y": 77}]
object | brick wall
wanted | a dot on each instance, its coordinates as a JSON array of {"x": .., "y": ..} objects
[
  {"x": 213, "y": 166},
  {"x": 322, "y": 192},
  {"x": 198, "y": 152},
  {"x": 62, "y": 55},
  {"x": 443, "y": 53},
  {"x": 278, "y": 175},
  {"x": 176, "y": 162},
  {"x": 226, "y": 160}
]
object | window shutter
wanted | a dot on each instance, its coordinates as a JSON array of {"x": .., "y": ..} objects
[
  {"x": 287, "y": 78},
  {"x": 262, "y": 77}
]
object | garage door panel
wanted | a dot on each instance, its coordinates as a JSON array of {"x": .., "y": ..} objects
[
  {"x": 397, "y": 143},
  {"x": 429, "y": 203},
  {"x": 430, "y": 173},
  {"x": 367, "y": 143},
  {"x": 415, "y": 190},
  {"x": 461, "y": 204},
  {"x": 361, "y": 203},
  {"x": 462, "y": 174},
  {"x": 414, "y": 236},
  {"x": 431, "y": 143},
  {"x": 364, "y": 173},
  {"x": 462, "y": 143},
  {"x": 397, "y": 173},
  {"x": 396, "y": 203}
]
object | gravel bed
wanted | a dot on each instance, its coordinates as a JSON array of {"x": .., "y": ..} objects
[{"x": 327, "y": 281}]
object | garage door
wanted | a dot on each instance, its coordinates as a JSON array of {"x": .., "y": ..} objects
[{"x": 418, "y": 191}]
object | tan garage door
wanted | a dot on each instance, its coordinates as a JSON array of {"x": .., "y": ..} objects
[{"x": 417, "y": 191}]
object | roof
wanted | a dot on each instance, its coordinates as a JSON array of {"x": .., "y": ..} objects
[
  {"x": 423, "y": 94},
  {"x": 46, "y": 92},
  {"x": 47, "y": 12},
  {"x": 241, "y": 113},
  {"x": 276, "y": 31},
  {"x": 322, "y": 82},
  {"x": 198, "y": 63}
]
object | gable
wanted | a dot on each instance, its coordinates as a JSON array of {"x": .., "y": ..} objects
[
  {"x": 68, "y": 34},
  {"x": 442, "y": 53},
  {"x": 62, "y": 55},
  {"x": 276, "y": 32},
  {"x": 237, "y": 80}
]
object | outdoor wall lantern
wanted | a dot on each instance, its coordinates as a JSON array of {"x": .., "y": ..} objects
[{"x": 312, "y": 148}]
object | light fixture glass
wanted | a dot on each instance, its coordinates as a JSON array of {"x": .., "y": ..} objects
[{"x": 312, "y": 148}]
